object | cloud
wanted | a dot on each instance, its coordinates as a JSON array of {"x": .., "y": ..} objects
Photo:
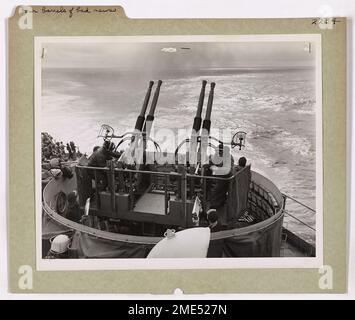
[{"x": 169, "y": 50}]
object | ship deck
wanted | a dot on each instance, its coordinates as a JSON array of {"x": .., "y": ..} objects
[
  {"x": 291, "y": 244},
  {"x": 151, "y": 202},
  {"x": 288, "y": 250}
]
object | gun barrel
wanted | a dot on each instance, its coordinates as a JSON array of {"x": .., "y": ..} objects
[
  {"x": 150, "y": 116},
  {"x": 207, "y": 121},
  {"x": 141, "y": 117},
  {"x": 149, "y": 119},
  {"x": 197, "y": 120}
]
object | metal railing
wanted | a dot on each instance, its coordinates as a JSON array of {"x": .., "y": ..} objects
[
  {"x": 261, "y": 201},
  {"x": 185, "y": 186},
  {"x": 301, "y": 204},
  {"x": 119, "y": 179}
]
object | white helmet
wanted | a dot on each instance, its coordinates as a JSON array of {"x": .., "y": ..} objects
[
  {"x": 59, "y": 244},
  {"x": 54, "y": 163}
]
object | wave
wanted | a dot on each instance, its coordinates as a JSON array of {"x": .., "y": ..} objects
[
  {"x": 298, "y": 145},
  {"x": 306, "y": 112}
]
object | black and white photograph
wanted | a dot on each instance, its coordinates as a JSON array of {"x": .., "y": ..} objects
[{"x": 159, "y": 151}]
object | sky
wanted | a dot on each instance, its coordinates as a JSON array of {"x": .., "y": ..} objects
[{"x": 176, "y": 56}]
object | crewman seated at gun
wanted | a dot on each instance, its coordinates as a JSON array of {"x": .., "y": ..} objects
[
  {"x": 222, "y": 167},
  {"x": 213, "y": 222},
  {"x": 99, "y": 159}
]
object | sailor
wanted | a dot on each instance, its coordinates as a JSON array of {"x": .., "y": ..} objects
[
  {"x": 59, "y": 247},
  {"x": 241, "y": 164},
  {"x": 95, "y": 149},
  {"x": 99, "y": 159},
  {"x": 50, "y": 170},
  {"x": 46, "y": 153},
  {"x": 50, "y": 152},
  {"x": 74, "y": 212},
  {"x": 222, "y": 165},
  {"x": 100, "y": 156},
  {"x": 69, "y": 151},
  {"x": 73, "y": 149},
  {"x": 212, "y": 218},
  {"x": 55, "y": 168},
  {"x": 62, "y": 149}
]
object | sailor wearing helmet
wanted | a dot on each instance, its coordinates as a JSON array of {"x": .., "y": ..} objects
[{"x": 59, "y": 247}]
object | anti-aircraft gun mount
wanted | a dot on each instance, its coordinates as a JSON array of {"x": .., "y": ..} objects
[{"x": 153, "y": 195}]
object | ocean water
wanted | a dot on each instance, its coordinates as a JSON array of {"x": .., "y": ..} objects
[{"x": 275, "y": 107}]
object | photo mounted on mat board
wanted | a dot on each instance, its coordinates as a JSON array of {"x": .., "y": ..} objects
[{"x": 178, "y": 152}]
